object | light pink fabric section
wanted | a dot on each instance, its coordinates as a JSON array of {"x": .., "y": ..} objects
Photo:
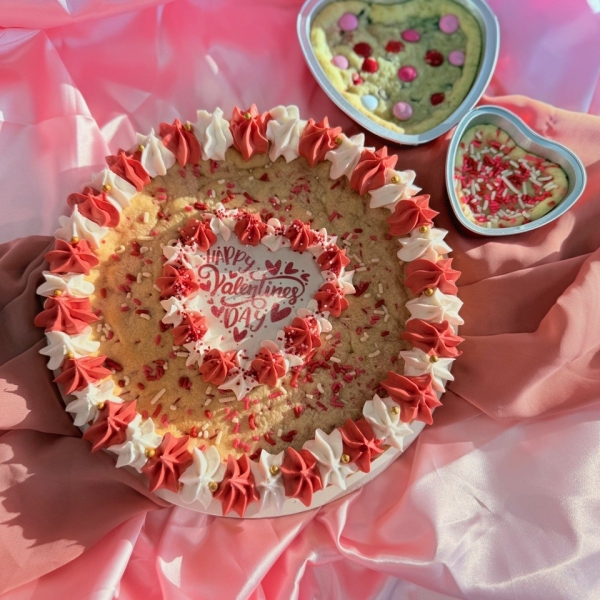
[{"x": 499, "y": 499}]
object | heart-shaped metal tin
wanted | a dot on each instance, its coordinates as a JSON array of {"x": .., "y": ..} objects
[
  {"x": 490, "y": 32},
  {"x": 530, "y": 141}
]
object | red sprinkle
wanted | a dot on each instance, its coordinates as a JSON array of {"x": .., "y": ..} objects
[
  {"x": 363, "y": 49},
  {"x": 370, "y": 65},
  {"x": 267, "y": 437},
  {"x": 394, "y": 46},
  {"x": 434, "y": 58},
  {"x": 437, "y": 98}
]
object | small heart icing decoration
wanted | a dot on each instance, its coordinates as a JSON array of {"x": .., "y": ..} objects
[{"x": 247, "y": 296}]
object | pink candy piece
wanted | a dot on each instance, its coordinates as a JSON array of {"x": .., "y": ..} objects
[
  {"x": 340, "y": 61},
  {"x": 456, "y": 58},
  {"x": 348, "y": 22},
  {"x": 407, "y": 73},
  {"x": 411, "y": 35},
  {"x": 449, "y": 24},
  {"x": 402, "y": 111}
]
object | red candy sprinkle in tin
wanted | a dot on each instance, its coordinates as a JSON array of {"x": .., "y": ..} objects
[
  {"x": 434, "y": 58},
  {"x": 370, "y": 65},
  {"x": 437, "y": 98},
  {"x": 394, "y": 46},
  {"x": 363, "y": 49}
]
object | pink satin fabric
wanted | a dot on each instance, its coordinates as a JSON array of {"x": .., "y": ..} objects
[{"x": 499, "y": 499}]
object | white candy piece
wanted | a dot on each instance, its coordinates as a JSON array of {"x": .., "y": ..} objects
[
  {"x": 60, "y": 344},
  {"x": 196, "y": 479}
]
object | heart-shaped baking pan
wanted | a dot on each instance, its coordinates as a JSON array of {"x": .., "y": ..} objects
[
  {"x": 490, "y": 35},
  {"x": 531, "y": 142}
]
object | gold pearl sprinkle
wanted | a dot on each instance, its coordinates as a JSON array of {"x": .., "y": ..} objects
[
  {"x": 150, "y": 452},
  {"x": 395, "y": 179},
  {"x": 106, "y": 187},
  {"x": 423, "y": 229},
  {"x": 70, "y": 355},
  {"x": 345, "y": 458},
  {"x": 395, "y": 410},
  {"x": 212, "y": 486},
  {"x": 247, "y": 116},
  {"x": 100, "y": 405},
  {"x": 74, "y": 240},
  {"x": 338, "y": 141},
  {"x": 433, "y": 358},
  {"x": 58, "y": 292},
  {"x": 428, "y": 292},
  {"x": 141, "y": 147},
  {"x": 188, "y": 126},
  {"x": 274, "y": 469}
]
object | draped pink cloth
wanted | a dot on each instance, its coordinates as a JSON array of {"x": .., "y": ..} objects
[{"x": 498, "y": 499}]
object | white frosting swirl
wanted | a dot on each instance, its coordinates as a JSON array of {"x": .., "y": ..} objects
[
  {"x": 213, "y": 133},
  {"x": 269, "y": 486},
  {"x": 205, "y": 468},
  {"x": 120, "y": 190},
  {"x": 390, "y": 194},
  {"x": 85, "y": 408},
  {"x": 345, "y": 157},
  {"x": 141, "y": 436},
  {"x": 174, "y": 307},
  {"x": 417, "y": 362},
  {"x": 284, "y": 131},
  {"x": 328, "y": 450},
  {"x": 59, "y": 344},
  {"x": 222, "y": 222},
  {"x": 70, "y": 284},
  {"x": 180, "y": 254},
  {"x": 239, "y": 383},
  {"x": 436, "y": 308},
  {"x": 427, "y": 245},
  {"x": 274, "y": 240},
  {"x": 156, "y": 157},
  {"x": 386, "y": 424},
  {"x": 79, "y": 226}
]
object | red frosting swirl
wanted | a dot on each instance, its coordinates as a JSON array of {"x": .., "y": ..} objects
[
  {"x": 249, "y": 131},
  {"x": 181, "y": 141},
  {"x": 414, "y": 395},
  {"x": 199, "y": 232},
  {"x": 250, "y": 229},
  {"x": 436, "y": 338},
  {"x": 422, "y": 274},
  {"x": 269, "y": 366},
  {"x": 126, "y": 166},
  {"x": 110, "y": 428},
  {"x": 300, "y": 475},
  {"x": 178, "y": 282},
  {"x": 301, "y": 336},
  {"x": 78, "y": 373},
  {"x": 331, "y": 298},
  {"x": 237, "y": 489},
  {"x": 216, "y": 365},
  {"x": 360, "y": 443},
  {"x": 300, "y": 235},
  {"x": 170, "y": 460},
  {"x": 76, "y": 257},
  {"x": 410, "y": 214},
  {"x": 193, "y": 328},
  {"x": 317, "y": 140},
  {"x": 369, "y": 173},
  {"x": 333, "y": 259},
  {"x": 66, "y": 314},
  {"x": 95, "y": 206}
]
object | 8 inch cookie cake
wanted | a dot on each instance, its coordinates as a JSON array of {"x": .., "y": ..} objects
[{"x": 249, "y": 310}]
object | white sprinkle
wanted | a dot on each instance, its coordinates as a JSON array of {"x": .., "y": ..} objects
[
  {"x": 219, "y": 438},
  {"x": 547, "y": 178},
  {"x": 505, "y": 192},
  {"x": 157, "y": 288},
  {"x": 513, "y": 163},
  {"x": 374, "y": 260},
  {"x": 520, "y": 201},
  {"x": 146, "y": 217},
  {"x": 208, "y": 401},
  {"x": 361, "y": 269},
  {"x": 146, "y": 274},
  {"x": 308, "y": 213},
  {"x": 158, "y": 396},
  {"x": 120, "y": 250},
  {"x": 226, "y": 399},
  {"x": 145, "y": 238},
  {"x": 526, "y": 214},
  {"x": 209, "y": 389},
  {"x": 489, "y": 187},
  {"x": 145, "y": 316},
  {"x": 378, "y": 312},
  {"x": 335, "y": 359},
  {"x": 320, "y": 388},
  {"x": 493, "y": 196},
  {"x": 279, "y": 432},
  {"x": 235, "y": 420},
  {"x": 386, "y": 318},
  {"x": 99, "y": 327},
  {"x": 126, "y": 380},
  {"x": 221, "y": 181},
  {"x": 550, "y": 186},
  {"x": 251, "y": 178},
  {"x": 310, "y": 396},
  {"x": 173, "y": 407},
  {"x": 124, "y": 305},
  {"x": 102, "y": 338},
  {"x": 205, "y": 434},
  {"x": 524, "y": 188},
  {"x": 374, "y": 354},
  {"x": 205, "y": 426},
  {"x": 139, "y": 278},
  {"x": 128, "y": 295},
  {"x": 477, "y": 187},
  {"x": 368, "y": 295},
  {"x": 509, "y": 185},
  {"x": 144, "y": 249},
  {"x": 182, "y": 354},
  {"x": 211, "y": 193},
  {"x": 328, "y": 336},
  {"x": 485, "y": 205}
]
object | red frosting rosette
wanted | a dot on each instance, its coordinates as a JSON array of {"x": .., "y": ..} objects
[
  {"x": 436, "y": 338},
  {"x": 317, "y": 140},
  {"x": 301, "y": 235},
  {"x": 369, "y": 173},
  {"x": 250, "y": 229},
  {"x": 95, "y": 206},
  {"x": 74, "y": 257},
  {"x": 216, "y": 365},
  {"x": 333, "y": 259},
  {"x": 78, "y": 373},
  {"x": 249, "y": 131},
  {"x": 237, "y": 489},
  {"x": 110, "y": 428},
  {"x": 181, "y": 141},
  {"x": 126, "y": 166},
  {"x": 269, "y": 366},
  {"x": 193, "y": 327},
  {"x": 410, "y": 214},
  {"x": 360, "y": 443},
  {"x": 422, "y": 274},
  {"x": 178, "y": 282},
  {"x": 198, "y": 231},
  {"x": 168, "y": 462},
  {"x": 300, "y": 475},
  {"x": 414, "y": 395},
  {"x": 66, "y": 314},
  {"x": 331, "y": 298},
  {"x": 301, "y": 336}
]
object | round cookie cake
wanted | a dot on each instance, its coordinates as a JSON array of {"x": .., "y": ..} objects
[{"x": 250, "y": 310}]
